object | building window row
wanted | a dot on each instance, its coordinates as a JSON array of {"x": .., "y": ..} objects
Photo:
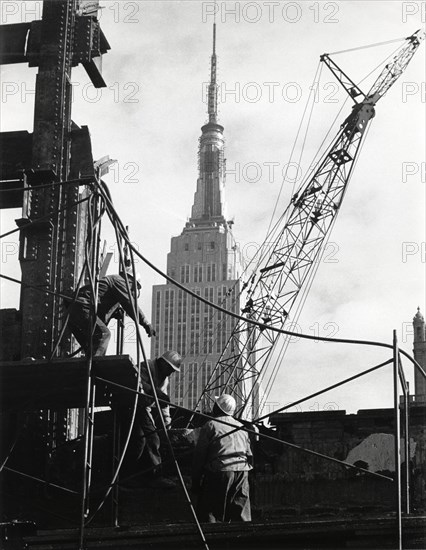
[
  {"x": 157, "y": 322},
  {"x": 184, "y": 274},
  {"x": 200, "y": 273},
  {"x": 169, "y": 298},
  {"x": 211, "y": 245},
  {"x": 211, "y": 273}
]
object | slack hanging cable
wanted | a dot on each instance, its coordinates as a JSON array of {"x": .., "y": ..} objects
[
  {"x": 319, "y": 392},
  {"x": 112, "y": 215},
  {"x": 48, "y": 483},
  {"x": 263, "y": 325},
  {"x": 260, "y": 434},
  {"x": 92, "y": 264},
  {"x": 12, "y": 446},
  {"x": 134, "y": 305},
  {"x": 213, "y": 342},
  {"x": 80, "y": 181},
  {"x": 126, "y": 238},
  {"x": 88, "y": 252},
  {"x": 38, "y": 288},
  {"x": 47, "y": 216}
]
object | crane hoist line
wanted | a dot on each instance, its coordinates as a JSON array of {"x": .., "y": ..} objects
[{"x": 277, "y": 288}]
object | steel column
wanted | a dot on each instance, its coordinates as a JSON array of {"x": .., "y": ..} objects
[
  {"x": 397, "y": 439},
  {"x": 407, "y": 445}
]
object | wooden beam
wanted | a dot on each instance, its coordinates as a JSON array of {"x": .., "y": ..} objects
[{"x": 59, "y": 384}]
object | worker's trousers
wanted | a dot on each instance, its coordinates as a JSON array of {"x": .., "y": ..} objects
[
  {"x": 143, "y": 450},
  {"x": 81, "y": 326},
  {"x": 224, "y": 496}
]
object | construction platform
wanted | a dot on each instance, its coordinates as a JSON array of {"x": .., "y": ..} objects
[
  {"x": 61, "y": 383},
  {"x": 308, "y": 533}
]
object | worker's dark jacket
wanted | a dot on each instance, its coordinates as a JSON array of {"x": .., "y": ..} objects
[
  {"x": 112, "y": 291},
  {"x": 161, "y": 383}
]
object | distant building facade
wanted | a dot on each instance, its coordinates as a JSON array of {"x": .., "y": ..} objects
[
  {"x": 419, "y": 351},
  {"x": 204, "y": 258}
]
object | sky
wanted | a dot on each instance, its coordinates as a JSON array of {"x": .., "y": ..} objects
[{"x": 372, "y": 276}]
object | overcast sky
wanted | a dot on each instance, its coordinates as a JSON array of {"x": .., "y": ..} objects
[{"x": 372, "y": 278}]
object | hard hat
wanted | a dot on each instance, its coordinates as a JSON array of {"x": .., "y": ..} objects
[
  {"x": 173, "y": 359},
  {"x": 226, "y": 403}
]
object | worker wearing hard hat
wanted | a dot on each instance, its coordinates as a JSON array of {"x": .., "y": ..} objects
[
  {"x": 222, "y": 460},
  {"x": 112, "y": 293},
  {"x": 143, "y": 452}
]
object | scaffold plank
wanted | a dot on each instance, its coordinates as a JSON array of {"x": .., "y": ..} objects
[{"x": 60, "y": 383}]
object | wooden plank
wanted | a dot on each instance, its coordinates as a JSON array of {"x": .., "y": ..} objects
[
  {"x": 58, "y": 384},
  {"x": 308, "y": 533}
]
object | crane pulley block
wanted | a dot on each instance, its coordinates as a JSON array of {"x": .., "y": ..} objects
[{"x": 340, "y": 157}]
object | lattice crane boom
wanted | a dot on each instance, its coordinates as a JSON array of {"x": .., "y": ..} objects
[{"x": 275, "y": 289}]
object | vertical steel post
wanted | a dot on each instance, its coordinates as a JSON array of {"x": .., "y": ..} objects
[
  {"x": 407, "y": 445},
  {"x": 115, "y": 460},
  {"x": 397, "y": 439},
  {"x": 406, "y": 390},
  {"x": 91, "y": 388},
  {"x": 116, "y": 433}
]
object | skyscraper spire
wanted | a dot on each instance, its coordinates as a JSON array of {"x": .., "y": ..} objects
[
  {"x": 212, "y": 94},
  {"x": 205, "y": 257},
  {"x": 209, "y": 200}
]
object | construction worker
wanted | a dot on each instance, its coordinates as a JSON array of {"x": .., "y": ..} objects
[
  {"x": 221, "y": 465},
  {"x": 143, "y": 452},
  {"x": 112, "y": 293}
]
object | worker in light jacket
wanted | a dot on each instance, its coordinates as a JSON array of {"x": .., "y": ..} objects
[
  {"x": 222, "y": 460},
  {"x": 112, "y": 293}
]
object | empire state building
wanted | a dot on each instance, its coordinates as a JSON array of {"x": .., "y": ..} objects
[{"x": 204, "y": 258}]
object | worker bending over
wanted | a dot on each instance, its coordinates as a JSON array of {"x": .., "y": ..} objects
[
  {"x": 112, "y": 293},
  {"x": 222, "y": 460},
  {"x": 143, "y": 452}
]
